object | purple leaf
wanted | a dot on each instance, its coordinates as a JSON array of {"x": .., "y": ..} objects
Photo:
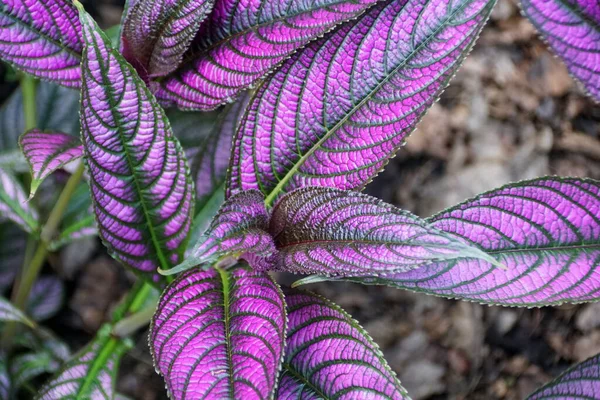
[
  {"x": 139, "y": 178},
  {"x": 328, "y": 355},
  {"x": 14, "y": 205},
  {"x": 46, "y": 152},
  {"x": 339, "y": 109},
  {"x": 336, "y": 232},
  {"x": 582, "y": 381},
  {"x": 239, "y": 230},
  {"x": 42, "y": 38},
  {"x": 46, "y": 298},
  {"x": 156, "y": 33},
  {"x": 90, "y": 374},
  {"x": 219, "y": 334},
  {"x": 572, "y": 29},
  {"x": 243, "y": 41},
  {"x": 8, "y": 312},
  {"x": 545, "y": 231}
]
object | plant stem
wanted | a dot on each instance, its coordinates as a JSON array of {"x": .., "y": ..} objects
[
  {"x": 28, "y": 84},
  {"x": 139, "y": 317}
]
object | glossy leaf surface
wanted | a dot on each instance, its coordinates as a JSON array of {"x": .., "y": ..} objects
[
  {"x": 337, "y": 232},
  {"x": 329, "y": 356},
  {"x": 336, "y": 111},
  {"x": 219, "y": 335},
  {"x": 581, "y": 381},
  {"x": 239, "y": 230},
  {"x": 140, "y": 181},
  {"x": 572, "y": 29},
  {"x": 90, "y": 374},
  {"x": 156, "y": 33},
  {"x": 8, "y": 312},
  {"x": 545, "y": 231},
  {"x": 48, "y": 151},
  {"x": 46, "y": 298},
  {"x": 42, "y": 38},
  {"x": 241, "y": 42},
  {"x": 14, "y": 205}
]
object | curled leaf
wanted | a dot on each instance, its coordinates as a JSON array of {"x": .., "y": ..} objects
[
  {"x": 336, "y": 111},
  {"x": 42, "y": 38},
  {"x": 329, "y": 356},
  {"x": 46, "y": 152},
  {"x": 14, "y": 205},
  {"x": 244, "y": 41},
  {"x": 239, "y": 230},
  {"x": 572, "y": 29},
  {"x": 139, "y": 178},
  {"x": 219, "y": 334},
  {"x": 156, "y": 33},
  {"x": 336, "y": 232}
]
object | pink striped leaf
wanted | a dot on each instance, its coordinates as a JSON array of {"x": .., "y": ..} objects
[
  {"x": 219, "y": 334},
  {"x": 42, "y": 38},
  {"x": 241, "y": 42},
  {"x": 46, "y": 152},
  {"x": 572, "y": 29},
  {"x": 139, "y": 178},
  {"x": 336, "y": 111},
  {"x": 156, "y": 33},
  {"x": 330, "y": 356}
]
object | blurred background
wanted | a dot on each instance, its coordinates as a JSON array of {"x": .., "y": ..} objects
[{"x": 511, "y": 113}]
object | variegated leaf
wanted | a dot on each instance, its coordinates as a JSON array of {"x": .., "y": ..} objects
[
  {"x": 14, "y": 205},
  {"x": 546, "y": 232},
  {"x": 239, "y": 230},
  {"x": 219, "y": 334},
  {"x": 42, "y": 38},
  {"x": 46, "y": 152},
  {"x": 8, "y": 312},
  {"x": 139, "y": 177},
  {"x": 336, "y": 232},
  {"x": 46, "y": 298},
  {"x": 12, "y": 249},
  {"x": 572, "y": 29},
  {"x": 156, "y": 33},
  {"x": 329, "y": 356},
  {"x": 5, "y": 386},
  {"x": 243, "y": 41},
  {"x": 336, "y": 111},
  {"x": 28, "y": 366}
]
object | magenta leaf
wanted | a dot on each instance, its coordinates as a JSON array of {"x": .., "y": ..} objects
[
  {"x": 239, "y": 230},
  {"x": 42, "y": 38},
  {"x": 90, "y": 374},
  {"x": 339, "y": 109},
  {"x": 8, "y": 312},
  {"x": 46, "y": 298},
  {"x": 14, "y": 205},
  {"x": 582, "y": 381},
  {"x": 219, "y": 334},
  {"x": 572, "y": 29},
  {"x": 139, "y": 178},
  {"x": 545, "y": 231},
  {"x": 46, "y": 152},
  {"x": 244, "y": 41},
  {"x": 329, "y": 355},
  {"x": 156, "y": 33},
  {"x": 341, "y": 233}
]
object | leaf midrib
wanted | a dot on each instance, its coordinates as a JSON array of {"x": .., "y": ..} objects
[{"x": 292, "y": 171}]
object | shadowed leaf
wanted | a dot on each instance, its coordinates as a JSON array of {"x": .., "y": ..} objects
[
  {"x": 14, "y": 205},
  {"x": 219, "y": 335},
  {"x": 45, "y": 298},
  {"x": 5, "y": 386},
  {"x": 12, "y": 249},
  {"x": 336, "y": 111},
  {"x": 28, "y": 366},
  {"x": 8, "y": 312}
]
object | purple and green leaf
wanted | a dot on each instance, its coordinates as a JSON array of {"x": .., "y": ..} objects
[
  {"x": 8, "y": 312},
  {"x": 25, "y": 367},
  {"x": 572, "y": 29},
  {"x": 220, "y": 334},
  {"x": 329, "y": 356},
  {"x": 336, "y": 232},
  {"x": 46, "y": 152},
  {"x": 581, "y": 381},
  {"x": 156, "y": 33},
  {"x": 90, "y": 374},
  {"x": 545, "y": 231},
  {"x": 42, "y": 38},
  {"x": 46, "y": 298},
  {"x": 14, "y": 205},
  {"x": 139, "y": 178},
  {"x": 336, "y": 111},
  {"x": 239, "y": 230},
  {"x": 241, "y": 42}
]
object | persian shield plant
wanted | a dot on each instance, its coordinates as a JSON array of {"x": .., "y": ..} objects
[{"x": 318, "y": 97}]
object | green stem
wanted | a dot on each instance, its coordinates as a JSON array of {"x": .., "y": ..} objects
[
  {"x": 129, "y": 325},
  {"x": 28, "y": 84}
]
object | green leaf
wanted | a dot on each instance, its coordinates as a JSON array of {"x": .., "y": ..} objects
[{"x": 8, "y": 312}]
